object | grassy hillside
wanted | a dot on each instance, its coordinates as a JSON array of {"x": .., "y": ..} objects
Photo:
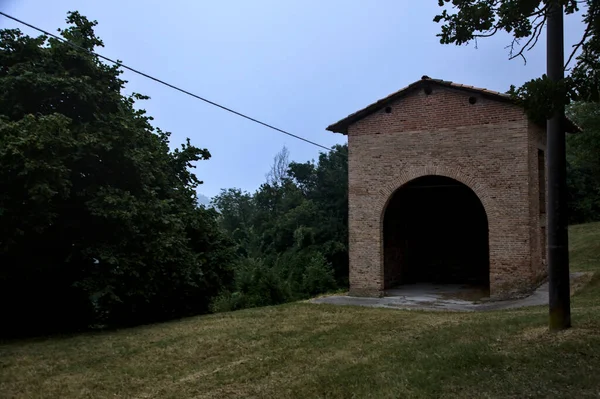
[{"x": 311, "y": 351}]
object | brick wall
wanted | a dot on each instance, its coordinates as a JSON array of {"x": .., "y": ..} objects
[
  {"x": 537, "y": 156},
  {"x": 489, "y": 146}
]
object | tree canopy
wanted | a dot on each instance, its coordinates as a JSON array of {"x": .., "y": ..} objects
[
  {"x": 98, "y": 216},
  {"x": 291, "y": 234},
  {"x": 583, "y": 163},
  {"x": 464, "y": 21}
]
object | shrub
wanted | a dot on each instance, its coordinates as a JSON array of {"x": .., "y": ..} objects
[{"x": 318, "y": 276}]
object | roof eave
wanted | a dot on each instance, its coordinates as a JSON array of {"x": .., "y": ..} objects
[
  {"x": 342, "y": 125},
  {"x": 336, "y": 129}
]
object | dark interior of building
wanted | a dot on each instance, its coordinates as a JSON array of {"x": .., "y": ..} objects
[{"x": 436, "y": 231}]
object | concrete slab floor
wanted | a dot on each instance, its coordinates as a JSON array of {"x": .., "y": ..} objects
[{"x": 446, "y": 298}]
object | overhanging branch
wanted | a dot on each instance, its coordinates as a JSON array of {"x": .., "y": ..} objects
[{"x": 538, "y": 26}]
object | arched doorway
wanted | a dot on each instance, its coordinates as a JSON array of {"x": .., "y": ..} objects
[{"x": 435, "y": 230}]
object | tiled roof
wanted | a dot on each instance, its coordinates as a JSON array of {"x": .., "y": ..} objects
[
  {"x": 504, "y": 96},
  {"x": 342, "y": 125}
]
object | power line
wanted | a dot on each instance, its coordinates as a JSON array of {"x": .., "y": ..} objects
[{"x": 165, "y": 83}]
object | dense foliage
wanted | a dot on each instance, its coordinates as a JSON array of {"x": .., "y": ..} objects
[
  {"x": 583, "y": 163},
  {"x": 291, "y": 234},
  {"x": 98, "y": 217}
]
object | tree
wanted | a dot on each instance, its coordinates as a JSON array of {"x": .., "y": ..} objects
[
  {"x": 292, "y": 234},
  {"x": 280, "y": 166},
  {"x": 236, "y": 215},
  {"x": 584, "y": 163},
  {"x": 585, "y": 147},
  {"x": 525, "y": 21},
  {"x": 326, "y": 184},
  {"x": 98, "y": 217}
]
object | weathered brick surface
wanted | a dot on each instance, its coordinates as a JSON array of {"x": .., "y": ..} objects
[
  {"x": 537, "y": 145},
  {"x": 490, "y": 146}
]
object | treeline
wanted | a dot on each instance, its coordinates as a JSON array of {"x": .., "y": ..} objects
[
  {"x": 99, "y": 220},
  {"x": 290, "y": 235}
]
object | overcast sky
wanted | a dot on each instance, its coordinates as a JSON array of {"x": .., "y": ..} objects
[{"x": 298, "y": 65}]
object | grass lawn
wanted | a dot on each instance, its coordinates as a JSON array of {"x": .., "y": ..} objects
[{"x": 322, "y": 351}]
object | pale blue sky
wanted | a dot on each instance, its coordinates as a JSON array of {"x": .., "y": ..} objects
[{"x": 299, "y": 65}]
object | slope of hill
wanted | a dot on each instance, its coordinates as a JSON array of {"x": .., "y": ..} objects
[{"x": 308, "y": 351}]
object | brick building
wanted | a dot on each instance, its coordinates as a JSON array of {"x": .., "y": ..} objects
[{"x": 446, "y": 185}]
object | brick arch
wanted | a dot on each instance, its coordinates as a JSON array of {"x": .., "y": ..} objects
[
  {"x": 411, "y": 173},
  {"x": 407, "y": 175}
]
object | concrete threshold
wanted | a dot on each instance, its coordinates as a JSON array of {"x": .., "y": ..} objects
[{"x": 446, "y": 298}]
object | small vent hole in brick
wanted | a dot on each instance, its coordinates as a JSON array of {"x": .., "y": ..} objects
[
  {"x": 472, "y": 100},
  {"x": 388, "y": 110},
  {"x": 428, "y": 90}
]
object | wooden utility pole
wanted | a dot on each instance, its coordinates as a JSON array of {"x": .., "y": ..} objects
[{"x": 557, "y": 222}]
